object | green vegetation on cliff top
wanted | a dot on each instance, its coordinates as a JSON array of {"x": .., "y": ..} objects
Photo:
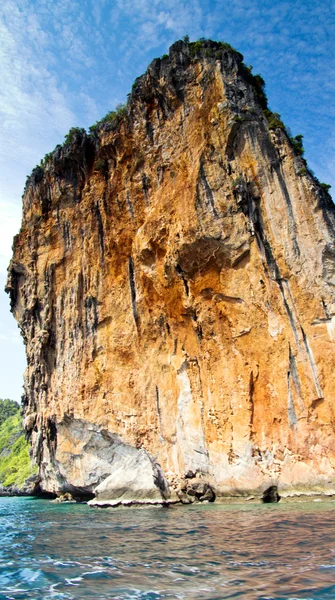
[
  {"x": 208, "y": 49},
  {"x": 15, "y": 464}
]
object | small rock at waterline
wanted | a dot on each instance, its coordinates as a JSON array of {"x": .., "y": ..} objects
[{"x": 271, "y": 495}]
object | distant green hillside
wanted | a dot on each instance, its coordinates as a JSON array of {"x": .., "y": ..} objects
[
  {"x": 15, "y": 464},
  {"x": 7, "y": 409}
]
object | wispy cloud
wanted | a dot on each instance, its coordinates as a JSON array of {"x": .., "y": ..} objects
[
  {"x": 10, "y": 218},
  {"x": 11, "y": 339}
]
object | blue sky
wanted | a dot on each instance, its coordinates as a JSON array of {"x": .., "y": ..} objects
[{"x": 66, "y": 63}]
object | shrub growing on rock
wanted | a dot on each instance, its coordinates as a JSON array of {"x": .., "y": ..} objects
[
  {"x": 113, "y": 116},
  {"x": 297, "y": 144},
  {"x": 326, "y": 187},
  {"x": 73, "y": 133}
]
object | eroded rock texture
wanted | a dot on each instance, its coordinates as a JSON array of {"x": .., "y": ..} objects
[{"x": 174, "y": 283}]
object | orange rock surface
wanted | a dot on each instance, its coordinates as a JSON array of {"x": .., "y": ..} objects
[{"x": 174, "y": 283}]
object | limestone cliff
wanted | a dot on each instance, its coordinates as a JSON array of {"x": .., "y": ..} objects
[{"x": 173, "y": 280}]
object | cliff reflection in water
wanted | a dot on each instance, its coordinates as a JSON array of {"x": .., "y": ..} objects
[{"x": 263, "y": 552}]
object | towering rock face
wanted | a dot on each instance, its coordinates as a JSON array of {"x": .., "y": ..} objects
[{"x": 174, "y": 283}]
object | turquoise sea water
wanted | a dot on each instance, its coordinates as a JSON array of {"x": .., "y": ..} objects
[{"x": 213, "y": 552}]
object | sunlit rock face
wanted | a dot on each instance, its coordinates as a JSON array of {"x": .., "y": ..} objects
[{"x": 174, "y": 283}]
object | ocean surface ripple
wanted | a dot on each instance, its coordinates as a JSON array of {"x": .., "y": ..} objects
[{"x": 54, "y": 551}]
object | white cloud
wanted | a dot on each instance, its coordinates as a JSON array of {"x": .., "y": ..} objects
[
  {"x": 35, "y": 111},
  {"x": 10, "y": 219},
  {"x": 11, "y": 339}
]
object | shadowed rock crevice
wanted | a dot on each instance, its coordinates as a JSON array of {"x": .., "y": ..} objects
[
  {"x": 292, "y": 220},
  {"x": 208, "y": 193},
  {"x": 132, "y": 286},
  {"x": 100, "y": 228}
]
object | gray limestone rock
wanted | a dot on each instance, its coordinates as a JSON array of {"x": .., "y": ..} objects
[
  {"x": 92, "y": 463},
  {"x": 136, "y": 479}
]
